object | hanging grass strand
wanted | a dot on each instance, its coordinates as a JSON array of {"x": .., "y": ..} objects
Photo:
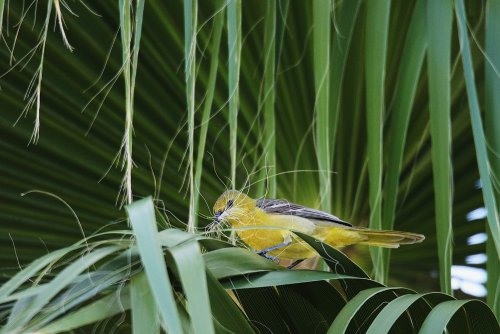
[
  {"x": 321, "y": 46},
  {"x": 190, "y": 23},
  {"x": 234, "y": 45},
  {"x": 492, "y": 120},
  {"x": 377, "y": 27},
  {"x": 439, "y": 18},
  {"x": 207, "y": 107}
]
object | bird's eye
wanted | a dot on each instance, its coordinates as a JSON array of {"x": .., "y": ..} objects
[{"x": 229, "y": 203}]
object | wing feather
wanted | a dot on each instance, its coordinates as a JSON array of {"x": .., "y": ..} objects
[{"x": 282, "y": 207}]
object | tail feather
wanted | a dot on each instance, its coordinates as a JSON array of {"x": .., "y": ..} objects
[
  {"x": 389, "y": 239},
  {"x": 339, "y": 237}
]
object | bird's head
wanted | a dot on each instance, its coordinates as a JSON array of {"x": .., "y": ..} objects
[{"x": 232, "y": 206}]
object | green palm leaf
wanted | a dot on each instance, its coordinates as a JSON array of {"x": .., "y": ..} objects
[{"x": 300, "y": 301}]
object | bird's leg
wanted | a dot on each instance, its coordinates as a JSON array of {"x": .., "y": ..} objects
[
  {"x": 267, "y": 250},
  {"x": 264, "y": 251},
  {"x": 269, "y": 257},
  {"x": 295, "y": 263}
]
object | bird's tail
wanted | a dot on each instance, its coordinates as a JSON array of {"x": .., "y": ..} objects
[
  {"x": 339, "y": 237},
  {"x": 389, "y": 239}
]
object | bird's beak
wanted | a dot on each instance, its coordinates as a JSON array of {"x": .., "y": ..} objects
[{"x": 217, "y": 216}]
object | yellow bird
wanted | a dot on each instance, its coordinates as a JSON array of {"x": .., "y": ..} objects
[{"x": 268, "y": 215}]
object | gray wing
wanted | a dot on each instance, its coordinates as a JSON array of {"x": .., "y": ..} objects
[{"x": 282, "y": 207}]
